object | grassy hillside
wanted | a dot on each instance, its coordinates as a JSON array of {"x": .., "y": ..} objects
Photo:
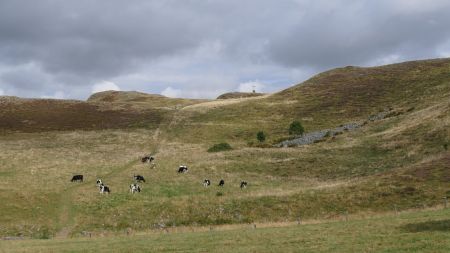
[
  {"x": 104, "y": 110},
  {"x": 409, "y": 232},
  {"x": 143, "y": 100},
  {"x": 398, "y": 163},
  {"x": 327, "y": 100},
  {"x": 239, "y": 95}
]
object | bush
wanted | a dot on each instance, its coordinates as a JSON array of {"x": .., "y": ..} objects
[
  {"x": 296, "y": 128},
  {"x": 41, "y": 233},
  {"x": 261, "y": 136},
  {"x": 220, "y": 147}
]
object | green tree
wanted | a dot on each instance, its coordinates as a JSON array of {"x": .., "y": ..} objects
[
  {"x": 261, "y": 136},
  {"x": 296, "y": 128}
]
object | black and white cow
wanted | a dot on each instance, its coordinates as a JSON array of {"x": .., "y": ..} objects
[
  {"x": 222, "y": 182},
  {"x": 77, "y": 178},
  {"x": 104, "y": 189},
  {"x": 243, "y": 184},
  {"x": 139, "y": 178},
  {"x": 135, "y": 188},
  {"x": 206, "y": 182},
  {"x": 99, "y": 182},
  {"x": 183, "y": 169},
  {"x": 147, "y": 159}
]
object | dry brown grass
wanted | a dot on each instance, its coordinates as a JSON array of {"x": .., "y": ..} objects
[
  {"x": 398, "y": 160},
  {"x": 204, "y": 107}
]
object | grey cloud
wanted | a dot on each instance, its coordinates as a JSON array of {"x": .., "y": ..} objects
[
  {"x": 205, "y": 47},
  {"x": 358, "y": 34}
]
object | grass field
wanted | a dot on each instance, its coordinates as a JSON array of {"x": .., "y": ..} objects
[
  {"x": 425, "y": 231},
  {"x": 395, "y": 164}
]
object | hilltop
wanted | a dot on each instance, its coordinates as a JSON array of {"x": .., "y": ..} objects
[{"x": 239, "y": 95}]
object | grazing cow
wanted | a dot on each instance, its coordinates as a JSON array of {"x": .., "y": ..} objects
[
  {"x": 183, "y": 169},
  {"x": 139, "y": 178},
  {"x": 206, "y": 183},
  {"x": 222, "y": 182},
  {"x": 243, "y": 184},
  {"x": 77, "y": 178},
  {"x": 147, "y": 159},
  {"x": 99, "y": 182},
  {"x": 135, "y": 188},
  {"x": 104, "y": 189}
]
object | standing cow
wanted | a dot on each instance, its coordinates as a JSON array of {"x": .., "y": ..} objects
[
  {"x": 139, "y": 178},
  {"x": 135, "y": 188},
  {"x": 77, "y": 178},
  {"x": 104, "y": 189},
  {"x": 99, "y": 182},
  {"x": 222, "y": 182},
  {"x": 147, "y": 159},
  {"x": 183, "y": 169}
]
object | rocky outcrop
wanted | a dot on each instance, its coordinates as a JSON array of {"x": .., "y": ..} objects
[{"x": 320, "y": 135}]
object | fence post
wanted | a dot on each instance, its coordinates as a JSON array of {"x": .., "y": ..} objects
[
  {"x": 346, "y": 215},
  {"x": 395, "y": 209},
  {"x": 445, "y": 202},
  {"x": 299, "y": 221}
]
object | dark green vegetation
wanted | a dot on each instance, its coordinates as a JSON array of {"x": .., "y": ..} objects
[
  {"x": 261, "y": 136},
  {"x": 393, "y": 164},
  {"x": 220, "y": 147},
  {"x": 296, "y": 128}
]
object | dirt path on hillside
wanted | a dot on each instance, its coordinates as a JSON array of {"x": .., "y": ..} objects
[
  {"x": 66, "y": 217},
  {"x": 219, "y": 103}
]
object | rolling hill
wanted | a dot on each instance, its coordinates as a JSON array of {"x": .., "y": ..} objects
[{"x": 397, "y": 163}]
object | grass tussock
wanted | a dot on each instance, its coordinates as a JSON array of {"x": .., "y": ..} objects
[{"x": 220, "y": 147}]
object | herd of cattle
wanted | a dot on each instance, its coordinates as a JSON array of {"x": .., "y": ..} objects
[{"x": 136, "y": 188}]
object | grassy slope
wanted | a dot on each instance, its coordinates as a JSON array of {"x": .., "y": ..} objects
[
  {"x": 410, "y": 232},
  {"x": 329, "y": 99},
  {"x": 104, "y": 110},
  {"x": 399, "y": 161}
]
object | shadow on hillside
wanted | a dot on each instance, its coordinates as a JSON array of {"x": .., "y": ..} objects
[{"x": 428, "y": 226}]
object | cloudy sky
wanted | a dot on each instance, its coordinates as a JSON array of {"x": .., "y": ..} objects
[{"x": 200, "y": 49}]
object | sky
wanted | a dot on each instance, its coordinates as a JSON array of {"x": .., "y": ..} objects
[{"x": 203, "y": 48}]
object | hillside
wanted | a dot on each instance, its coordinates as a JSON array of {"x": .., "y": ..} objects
[
  {"x": 239, "y": 95},
  {"x": 142, "y": 99},
  {"x": 104, "y": 110},
  {"x": 408, "y": 232},
  {"x": 326, "y": 100},
  {"x": 393, "y": 164}
]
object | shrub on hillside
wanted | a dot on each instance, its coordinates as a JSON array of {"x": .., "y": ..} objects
[
  {"x": 296, "y": 128},
  {"x": 220, "y": 147},
  {"x": 261, "y": 136}
]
